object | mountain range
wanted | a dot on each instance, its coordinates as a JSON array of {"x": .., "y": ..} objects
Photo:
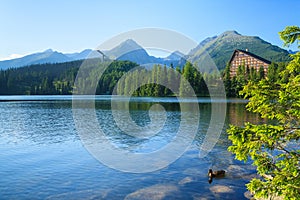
[
  {"x": 127, "y": 50},
  {"x": 130, "y": 50},
  {"x": 220, "y": 49},
  {"x": 48, "y": 56}
]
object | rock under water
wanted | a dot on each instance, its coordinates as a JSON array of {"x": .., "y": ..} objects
[{"x": 155, "y": 192}]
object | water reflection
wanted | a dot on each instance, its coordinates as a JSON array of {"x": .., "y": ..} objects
[
  {"x": 44, "y": 122},
  {"x": 237, "y": 114},
  {"x": 41, "y": 155}
]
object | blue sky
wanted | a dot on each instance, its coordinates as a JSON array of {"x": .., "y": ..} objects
[{"x": 29, "y": 26}]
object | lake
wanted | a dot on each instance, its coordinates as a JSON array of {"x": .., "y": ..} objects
[{"x": 43, "y": 155}]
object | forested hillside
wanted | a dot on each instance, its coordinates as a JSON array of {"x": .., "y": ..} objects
[{"x": 58, "y": 79}]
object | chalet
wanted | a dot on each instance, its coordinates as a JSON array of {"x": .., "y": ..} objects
[{"x": 247, "y": 59}]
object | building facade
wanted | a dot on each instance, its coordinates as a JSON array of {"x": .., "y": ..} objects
[{"x": 247, "y": 59}]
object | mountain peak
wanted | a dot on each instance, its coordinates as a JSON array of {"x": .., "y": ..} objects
[
  {"x": 130, "y": 43},
  {"x": 125, "y": 47},
  {"x": 48, "y": 51},
  {"x": 176, "y": 55},
  {"x": 230, "y": 33}
]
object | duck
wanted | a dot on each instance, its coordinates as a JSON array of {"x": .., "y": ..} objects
[{"x": 215, "y": 174}]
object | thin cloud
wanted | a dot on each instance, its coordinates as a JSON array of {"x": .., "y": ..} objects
[{"x": 12, "y": 56}]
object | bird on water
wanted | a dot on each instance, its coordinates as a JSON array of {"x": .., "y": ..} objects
[{"x": 215, "y": 174}]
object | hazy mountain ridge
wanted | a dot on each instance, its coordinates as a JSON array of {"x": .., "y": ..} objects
[
  {"x": 127, "y": 50},
  {"x": 48, "y": 56},
  {"x": 130, "y": 50},
  {"x": 219, "y": 48},
  {"x": 79, "y": 56}
]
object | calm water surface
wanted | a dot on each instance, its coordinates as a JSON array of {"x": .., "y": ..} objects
[{"x": 42, "y": 157}]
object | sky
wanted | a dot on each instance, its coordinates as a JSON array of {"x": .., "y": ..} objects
[{"x": 68, "y": 26}]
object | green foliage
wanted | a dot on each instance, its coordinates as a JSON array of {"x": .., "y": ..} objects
[
  {"x": 275, "y": 148},
  {"x": 112, "y": 74},
  {"x": 187, "y": 81},
  {"x": 228, "y": 82},
  {"x": 162, "y": 81},
  {"x": 290, "y": 34}
]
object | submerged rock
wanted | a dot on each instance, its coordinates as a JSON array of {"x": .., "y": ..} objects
[
  {"x": 221, "y": 189},
  {"x": 185, "y": 180},
  {"x": 155, "y": 192},
  {"x": 248, "y": 195},
  {"x": 82, "y": 194}
]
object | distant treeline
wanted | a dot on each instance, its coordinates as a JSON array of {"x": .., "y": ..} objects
[
  {"x": 59, "y": 78},
  {"x": 39, "y": 79}
]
